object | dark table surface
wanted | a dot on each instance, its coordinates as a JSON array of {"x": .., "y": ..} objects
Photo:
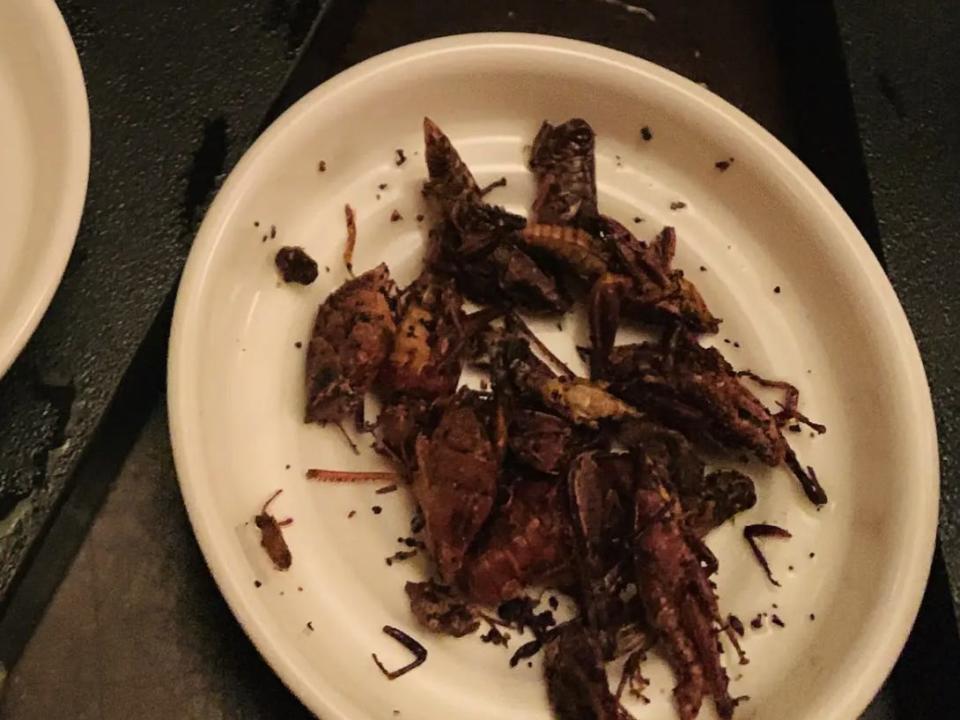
[{"x": 137, "y": 627}]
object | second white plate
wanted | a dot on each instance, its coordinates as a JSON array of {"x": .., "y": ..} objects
[{"x": 44, "y": 163}]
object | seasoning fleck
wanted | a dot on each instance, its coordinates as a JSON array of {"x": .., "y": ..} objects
[
  {"x": 401, "y": 158},
  {"x": 419, "y": 217},
  {"x": 382, "y": 186},
  {"x": 775, "y": 619},
  {"x": 377, "y": 509},
  {"x": 310, "y": 625},
  {"x": 637, "y": 219},
  {"x": 737, "y": 624},
  {"x": 677, "y": 205},
  {"x": 257, "y": 583},
  {"x": 298, "y": 344},
  {"x": 646, "y": 133},
  {"x": 703, "y": 268},
  {"x": 723, "y": 165},
  {"x": 395, "y": 216},
  {"x": 351, "y": 514},
  {"x": 777, "y": 289},
  {"x": 322, "y": 166}
]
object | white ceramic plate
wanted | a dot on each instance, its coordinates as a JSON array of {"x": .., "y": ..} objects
[
  {"x": 44, "y": 163},
  {"x": 836, "y": 330}
]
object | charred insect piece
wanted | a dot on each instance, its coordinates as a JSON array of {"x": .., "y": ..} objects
[
  {"x": 455, "y": 481},
  {"x": 271, "y": 535},
  {"x": 576, "y": 678},
  {"x": 295, "y": 265},
  {"x": 425, "y": 358},
  {"x": 708, "y": 500},
  {"x": 762, "y": 530},
  {"x": 723, "y": 494},
  {"x": 580, "y": 401},
  {"x": 680, "y": 602},
  {"x": 526, "y": 545},
  {"x": 562, "y": 158},
  {"x": 352, "y": 337},
  {"x": 351, "y": 238},
  {"x": 540, "y": 440},
  {"x": 571, "y": 246},
  {"x": 695, "y": 390},
  {"x": 419, "y": 653},
  {"x": 397, "y": 428},
  {"x": 450, "y": 178},
  {"x": 648, "y": 289},
  {"x": 600, "y": 498},
  {"x": 438, "y": 609}
]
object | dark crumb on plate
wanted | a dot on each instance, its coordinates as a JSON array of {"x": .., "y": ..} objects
[
  {"x": 812, "y": 617},
  {"x": 418, "y": 651},
  {"x": 299, "y": 588},
  {"x": 327, "y": 268},
  {"x": 619, "y": 161},
  {"x": 638, "y": 219},
  {"x": 395, "y": 216},
  {"x": 256, "y": 223},
  {"x": 401, "y": 158},
  {"x": 757, "y": 622},
  {"x": 559, "y": 326},
  {"x": 723, "y": 165},
  {"x": 677, "y": 205},
  {"x": 763, "y": 530},
  {"x": 273, "y": 231},
  {"x": 495, "y": 637},
  {"x": 736, "y": 344},
  {"x": 775, "y": 606},
  {"x": 386, "y": 489},
  {"x": 530, "y": 664},
  {"x": 790, "y": 568},
  {"x": 737, "y": 624},
  {"x": 813, "y": 434},
  {"x": 322, "y": 166},
  {"x": 296, "y": 266},
  {"x": 351, "y": 514},
  {"x": 376, "y": 509},
  {"x": 271, "y": 535},
  {"x": 382, "y": 186},
  {"x": 287, "y": 466},
  {"x": 646, "y": 133},
  {"x": 257, "y": 583},
  {"x": 263, "y": 239},
  {"x": 310, "y": 625},
  {"x": 703, "y": 268},
  {"x": 400, "y": 555},
  {"x": 727, "y": 340},
  {"x": 794, "y": 428},
  {"x": 419, "y": 217},
  {"x": 813, "y": 555},
  {"x": 777, "y": 289},
  {"x": 378, "y": 196},
  {"x": 775, "y": 619}
]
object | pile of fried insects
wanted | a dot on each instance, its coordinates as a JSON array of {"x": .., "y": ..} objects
[{"x": 590, "y": 486}]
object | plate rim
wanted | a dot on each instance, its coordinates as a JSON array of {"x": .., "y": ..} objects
[
  {"x": 925, "y": 513},
  {"x": 76, "y": 174}
]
